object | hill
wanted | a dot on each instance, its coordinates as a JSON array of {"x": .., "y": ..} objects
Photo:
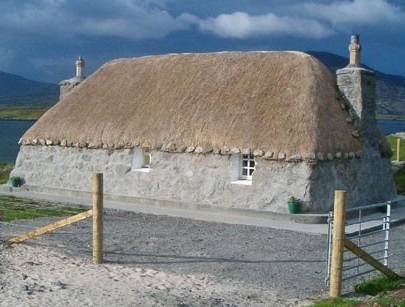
[
  {"x": 390, "y": 88},
  {"x": 16, "y": 91}
]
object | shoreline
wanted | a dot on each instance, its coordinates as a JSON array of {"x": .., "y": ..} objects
[{"x": 18, "y": 119}]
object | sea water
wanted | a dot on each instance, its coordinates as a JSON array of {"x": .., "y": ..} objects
[{"x": 10, "y": 133}]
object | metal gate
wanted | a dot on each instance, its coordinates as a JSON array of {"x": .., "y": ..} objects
[{"x": 368, "y": 227}]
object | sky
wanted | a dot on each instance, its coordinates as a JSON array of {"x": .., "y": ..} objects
[{"x": 41, "y": 39}]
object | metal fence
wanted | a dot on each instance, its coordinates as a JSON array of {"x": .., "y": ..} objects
[{"x": 368, "y": 227}]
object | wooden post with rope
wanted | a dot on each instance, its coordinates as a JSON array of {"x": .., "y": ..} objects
[
  {"x": 97, "y": 189},
  {"x": 338, "y": 244}
]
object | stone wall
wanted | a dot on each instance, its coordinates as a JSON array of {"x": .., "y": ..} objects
[
  {"x": 368, "y": 181},
  {"x": 192, "y": 179},
  {"x": 181, "y": 177}
]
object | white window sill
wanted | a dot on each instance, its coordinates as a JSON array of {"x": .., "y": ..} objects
[
  {"x": 242, "y": 182},
  {"x": 142, "y": 170}
]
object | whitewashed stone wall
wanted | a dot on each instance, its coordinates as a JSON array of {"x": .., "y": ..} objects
[
  {"x": 186, "y": 178},
  {"x": 192, "y": 179},
  {"x": 368, "y": 180}
]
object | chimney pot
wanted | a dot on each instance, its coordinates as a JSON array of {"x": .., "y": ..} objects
[{"x": 354, "y": 51}]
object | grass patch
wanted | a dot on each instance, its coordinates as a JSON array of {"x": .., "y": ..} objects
[
  {"x": 387, "y": 301},
  {"x": 399, "y": 179},
  {"x": 336, "y": 302},
  {"x": 378, "y": 285},
  {"x": 392, "y": 140},
  {"x": 22, "y": 113},
  {"x": 5, "y": 169},
  {"x": 16, "y": 208},
  {"x": 399, "y": 176}
]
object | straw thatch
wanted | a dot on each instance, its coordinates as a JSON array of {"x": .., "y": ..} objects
[{"x": 281, "y": 102}]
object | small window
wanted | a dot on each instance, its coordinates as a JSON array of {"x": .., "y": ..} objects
[
  {"x": 141, "y": 159},
  {"x": 248, "y": 165},
  {"x": 146, "y": 158},
  {"x": 242, "y": 168}
]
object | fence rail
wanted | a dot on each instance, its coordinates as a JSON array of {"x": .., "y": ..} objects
[{"x": 373, "y": 238}]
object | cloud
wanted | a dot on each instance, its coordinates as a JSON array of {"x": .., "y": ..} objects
[
  {"x": 242, "y": 25},
  {"x": 358, "y": 12},
  {"x": 60, "y": 20},
  {"x": 156, "y": 24},
  {"x": 134, "y": 20}
]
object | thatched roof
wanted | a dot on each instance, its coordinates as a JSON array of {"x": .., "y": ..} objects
[{"x": 281, "y": 102}]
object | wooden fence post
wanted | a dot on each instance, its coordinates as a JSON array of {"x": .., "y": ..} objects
[
  {"x": 339, "y": 212},
  {"x": 398, "y": 148},
  {"x": 97, "y": 188}
]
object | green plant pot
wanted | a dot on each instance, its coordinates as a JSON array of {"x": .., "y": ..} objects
[
  {"x": 294, "y": 207},
  {"x": 15, "y": 182}
]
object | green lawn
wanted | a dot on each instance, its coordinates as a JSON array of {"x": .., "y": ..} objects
[
  {"x": 5, "y": 169},
  {"x": 392, "y": 140},
  {"x": 375, "y": 287},
  {"x": 17, "y": 208},
  {"x": 22, "y": 113}
]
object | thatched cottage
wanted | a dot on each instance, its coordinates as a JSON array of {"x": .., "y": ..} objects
[{"x": 229, "y": 129}]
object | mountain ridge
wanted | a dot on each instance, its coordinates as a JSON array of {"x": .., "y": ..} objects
[{"x": 16, "y": 91}]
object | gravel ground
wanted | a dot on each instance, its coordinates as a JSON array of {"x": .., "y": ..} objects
[{"x": 290, "y": 263}]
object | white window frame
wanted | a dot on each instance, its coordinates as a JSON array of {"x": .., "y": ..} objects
[
  {"x": 141, "y": 159},
  {"x": 237, "y": 175},
  {"x": 246, "y": 167}
]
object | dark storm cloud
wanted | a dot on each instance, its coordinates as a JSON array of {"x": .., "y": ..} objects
[{"x": 42, "y": 36}]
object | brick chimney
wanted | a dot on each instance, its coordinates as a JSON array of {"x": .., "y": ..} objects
[{"x": 357, "y": 85}]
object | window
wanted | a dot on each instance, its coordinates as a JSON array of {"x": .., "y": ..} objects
[
  {"x": 141, "y": 159},
  {"x": 242, "y": 168},
  {"x": 146, "y": 158},
  {"x": 247, "y": 168}
]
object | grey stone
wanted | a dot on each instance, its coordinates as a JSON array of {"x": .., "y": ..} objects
[
  {"x": 190, "y": 149},
  {"x": 268, "y": 155},
  {"x": 258, "y": 153},
  {"x": 216, "y": 151},
  {"x": 356, "y": 133},
  {"x": 198, "y": 150},
  {"x": 310, "y": 156},
  {"x": 157, "y": 146},
  {"x": 182, "y": 148},
  {"x": 225, "y": 150},
  {"x": 281, "y": 156},
  {"x": 295, "y": 158},
  {"x": 207, "y": 149}
]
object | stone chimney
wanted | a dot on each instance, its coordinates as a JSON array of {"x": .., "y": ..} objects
[
  {"x": 357, "y": 86},
  {"x": 67, "y": 85},
  {"x": 354, "y": 51},
  {"x": 79, "y": 68}
]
